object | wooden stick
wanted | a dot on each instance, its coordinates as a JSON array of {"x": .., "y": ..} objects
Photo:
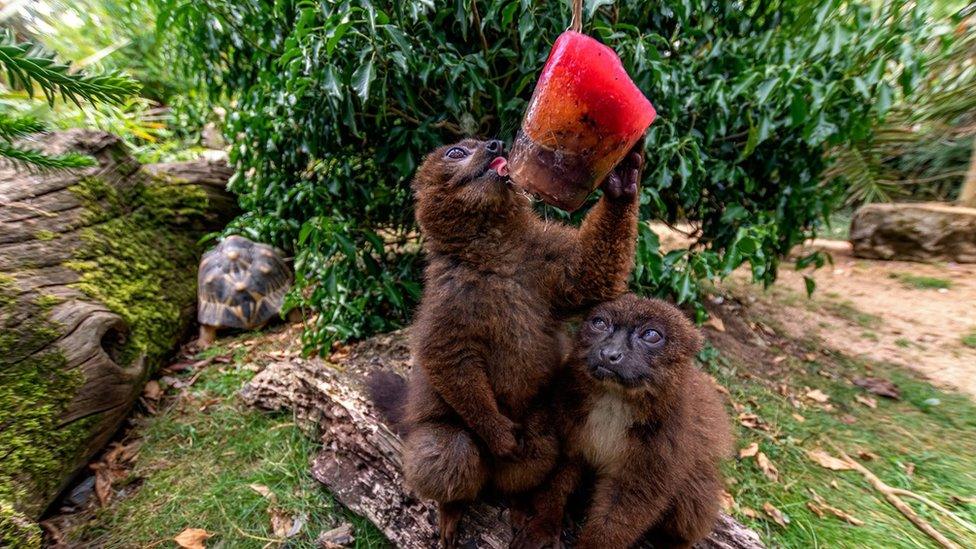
[
  {"x": 909, "y": 494},
  {"x": 889, "y": 494}
]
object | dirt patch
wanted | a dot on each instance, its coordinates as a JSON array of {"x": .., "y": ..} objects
[
  {"x": 918, "y": 315},
  {"x": 912, "y": 314}
]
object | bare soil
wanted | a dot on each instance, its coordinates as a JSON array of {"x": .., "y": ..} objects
[{"x": 872, "y": 309}]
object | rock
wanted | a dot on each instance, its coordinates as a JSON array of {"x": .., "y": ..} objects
[
  {"x": 915, "y": 232},
  {"x": 97, "y": 286}
]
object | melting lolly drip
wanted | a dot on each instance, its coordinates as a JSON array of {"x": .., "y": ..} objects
[{"x": 585, "y": 115}]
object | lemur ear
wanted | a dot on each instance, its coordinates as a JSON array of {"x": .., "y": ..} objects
[{"x": 427, "y": 172}]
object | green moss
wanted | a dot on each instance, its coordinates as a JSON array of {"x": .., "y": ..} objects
[
  {"x": 133, "y": 261},
  {"x": 16, "y": 530},
  {"x": 922, "y": 282},
  {"x": 135, "y": 264},
  {"x": 45, "y": 235},
  {"x": 48, "y": 301},
  {"x": 35, "y": 390},
  {"x": 847, "y": 310}
]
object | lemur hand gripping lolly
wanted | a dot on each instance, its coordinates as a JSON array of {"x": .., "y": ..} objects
[{"x": 584, "y": 116}]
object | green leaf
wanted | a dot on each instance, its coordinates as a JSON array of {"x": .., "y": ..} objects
[
  {"x": 28, "y": 69},
  {"x": 861, "y": 86},
  {"x": 35, "y": 160},
  {"x": 765, "y": 89},
  {"x": 798, "y": 109},
  {"x": 751, "y": 142},
  {"x": 330, "y": 83},
  {"x": 883, "y": 103},
  {"x": 810, "y": 284},
  {"x": 362, "y": 78},
  {"x": 686, "y": 288}
]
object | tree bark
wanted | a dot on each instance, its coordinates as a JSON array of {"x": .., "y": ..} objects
[
  {"x": 360, "y": 456},
  {"x": 967, "y": 196},
  {"x": 74, "y": 355}
]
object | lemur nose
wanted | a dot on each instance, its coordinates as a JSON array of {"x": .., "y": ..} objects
[
  {"x": 612, "y": 356},
  {"x": 495, "y": 146}
]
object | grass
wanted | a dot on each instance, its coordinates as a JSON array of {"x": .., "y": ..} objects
[
  {"x": 969, "y": 340},
  {"x": 939, "y": 440},
  {"x": 922, "y": 282},
  {"x": 195, "y": 467},
  {"x": 848, "y": 311}
]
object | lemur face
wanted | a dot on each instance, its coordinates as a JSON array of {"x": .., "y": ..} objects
[
  {"x": 635, "y": 343},
  {"x": 463, "y": 193},
  {"x": 471, "y": 170}
]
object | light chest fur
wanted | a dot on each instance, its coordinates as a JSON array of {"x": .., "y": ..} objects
[{"x": 605, "y": 432}]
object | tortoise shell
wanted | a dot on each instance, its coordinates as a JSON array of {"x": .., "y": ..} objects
[{"x": 241, "y": 284}]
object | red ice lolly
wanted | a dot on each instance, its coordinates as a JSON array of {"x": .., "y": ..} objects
[{"x": 584, "y": 116}]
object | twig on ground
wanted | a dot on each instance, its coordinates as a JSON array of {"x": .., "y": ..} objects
[
  {"x": 890, "y": 494},
  {"x": 909, "y": 494}
]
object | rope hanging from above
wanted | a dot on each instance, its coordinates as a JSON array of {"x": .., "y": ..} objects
[{"x": 576, "y": 24}]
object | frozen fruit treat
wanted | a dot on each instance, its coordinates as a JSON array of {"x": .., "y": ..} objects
[{"x": 585, "y": 115}]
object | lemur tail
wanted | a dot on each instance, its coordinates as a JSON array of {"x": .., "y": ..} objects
[{"x": 388, "y": 391}]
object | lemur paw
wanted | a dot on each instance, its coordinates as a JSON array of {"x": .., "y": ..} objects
[{"x": 624, "y": 180}]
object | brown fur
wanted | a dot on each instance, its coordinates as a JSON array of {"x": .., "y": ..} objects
[
  {"x": 651, "y": 427},
  {"x": 489, "y": 333}
]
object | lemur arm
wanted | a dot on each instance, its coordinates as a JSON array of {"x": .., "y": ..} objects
[
  {"x": 544, "y": 526},
  {"x": 464, "y": 385},
  {"x": 603, "y": 252},
  {"x": 622, "y": 510}
]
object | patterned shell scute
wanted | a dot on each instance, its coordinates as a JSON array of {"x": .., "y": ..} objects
[{"x": 241, "y": 284}]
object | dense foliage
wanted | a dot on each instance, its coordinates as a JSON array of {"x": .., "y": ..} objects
[
  {"x": 922, "y": 149},
  {"x": 335, "y": 102}
]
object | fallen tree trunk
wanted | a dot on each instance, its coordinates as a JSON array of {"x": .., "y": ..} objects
[
  {"x": 97, "y": 284},
  {"x": 360, "y": 457}
]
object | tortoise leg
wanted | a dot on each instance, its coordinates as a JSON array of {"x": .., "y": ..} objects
[
  {"x": 208, "y": 334},
  {"x": 295, "y": 316}
]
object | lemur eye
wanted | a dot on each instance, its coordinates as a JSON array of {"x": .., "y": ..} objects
[
  {"x": 457, "y": 153},
  {"x": 599, "y": 323},
  {"x": 652, "y": 336}
]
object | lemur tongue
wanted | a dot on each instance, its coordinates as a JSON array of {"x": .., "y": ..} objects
[{"x": 500, "y": 165}]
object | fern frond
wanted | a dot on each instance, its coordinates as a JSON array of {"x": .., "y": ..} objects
[
  {"x": 27, "y": 66},
  {"x": 12, "y": 127},
  {"x": 29, "y": 159}
]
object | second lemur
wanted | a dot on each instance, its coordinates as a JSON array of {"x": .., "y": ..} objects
[{"x": 635, "y": 411}]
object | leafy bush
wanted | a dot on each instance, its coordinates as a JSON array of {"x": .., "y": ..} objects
[
  {"x": 336, "y": 102},
  {"x": 922, "y": 149}
]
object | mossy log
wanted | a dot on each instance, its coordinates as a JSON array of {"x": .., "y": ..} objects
[
  {"x": 97, "y": 284},
  {"x": 360, "y": 456}
]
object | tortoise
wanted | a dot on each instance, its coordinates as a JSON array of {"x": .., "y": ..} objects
[{"x": 241, "y": 285}]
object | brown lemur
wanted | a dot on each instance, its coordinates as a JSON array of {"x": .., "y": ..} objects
[
  {"x": 634, "y": 411},
  {"x": 489, "y": 334}
]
